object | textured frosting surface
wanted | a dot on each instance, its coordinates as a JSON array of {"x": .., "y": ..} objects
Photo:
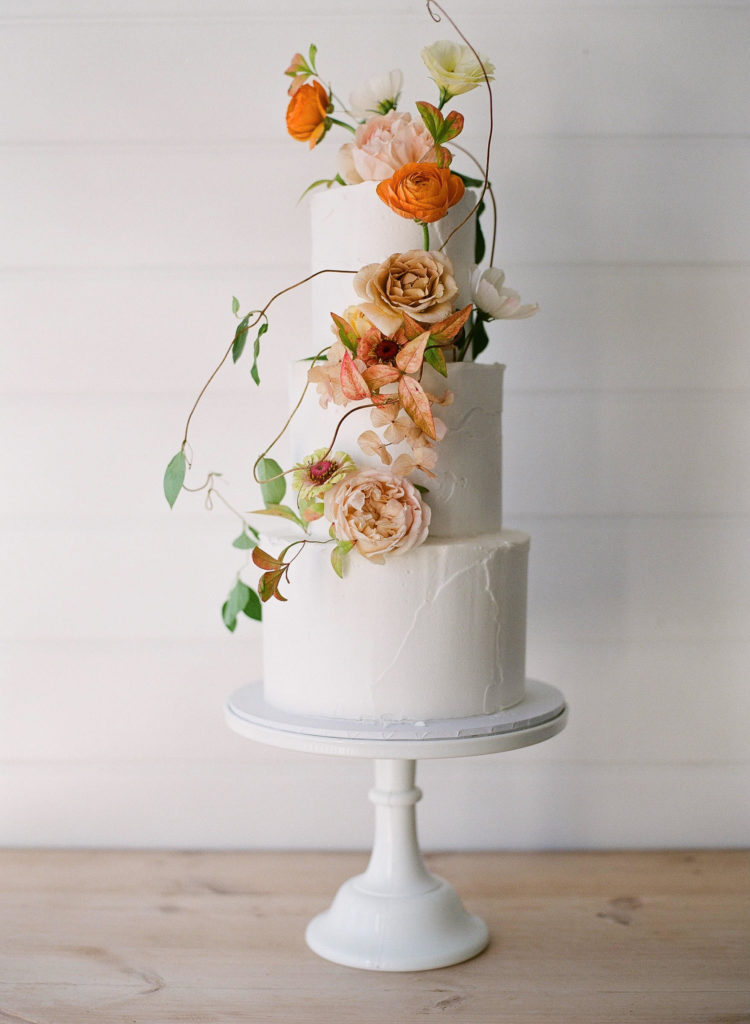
[
  {"x": 352, "y": 227},
  {"x": 466, "y": 495},
  {"x": 439, "y": 632}
]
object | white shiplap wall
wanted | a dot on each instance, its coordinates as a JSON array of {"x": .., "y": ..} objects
[{"x": 146, "y": 178}]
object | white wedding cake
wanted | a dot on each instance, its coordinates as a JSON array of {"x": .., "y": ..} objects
[
  {"x": 389, "y": 589},
  {"x": 438, "y": 632}
]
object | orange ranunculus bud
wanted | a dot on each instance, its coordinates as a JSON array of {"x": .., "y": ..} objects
[
  {"x": 423, "y": 192},
  {"x": 307, "y": 112}
]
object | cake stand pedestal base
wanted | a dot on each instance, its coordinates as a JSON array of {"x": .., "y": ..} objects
[{"x": 397, "y": 916}]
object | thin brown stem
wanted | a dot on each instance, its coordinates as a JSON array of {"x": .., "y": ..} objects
[
  {"x": 491, "y": 192},
  {"x": 436, "y": 17},
  {"x": 281, "y": 433},
  {"x": 249, "y": 327}
]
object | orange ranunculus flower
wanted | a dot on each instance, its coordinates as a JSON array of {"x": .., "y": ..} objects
[
  {"x": 423, "y": 192},
  {"x": 307, "y": 112}
]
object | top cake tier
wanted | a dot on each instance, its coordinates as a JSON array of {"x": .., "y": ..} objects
[{"x": 352, "y": 227}]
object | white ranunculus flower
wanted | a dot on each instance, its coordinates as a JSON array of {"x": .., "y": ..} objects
[
  {"x": 378, "y": 95},
  {"x": 454, "y": 68},
  {"x": 493, "y": 298}
]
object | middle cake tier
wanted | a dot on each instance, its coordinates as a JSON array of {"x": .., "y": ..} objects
[
  {"x": 465, "y": 496},
  {"x": 438, "y": 632}
]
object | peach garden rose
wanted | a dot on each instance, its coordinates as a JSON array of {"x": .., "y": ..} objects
[
  {"x": 415, "y": 282},
  {"x": 383, "y": 144},
  {"x": 378, "y": 512}
]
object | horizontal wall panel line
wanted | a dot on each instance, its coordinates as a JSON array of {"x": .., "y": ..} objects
[
  {"x": 260, "y": 142},
  {"x": 59, "y": 11}
]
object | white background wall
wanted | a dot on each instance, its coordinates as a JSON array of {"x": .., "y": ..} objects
[{"x": 147, "y": 178}]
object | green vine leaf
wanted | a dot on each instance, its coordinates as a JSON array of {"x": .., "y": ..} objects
[
  {"x": 273, "y": 490},
  {"x": 256, "y": 352},
  {"x": 235, "y": 305},
  {"x": 479, "y": 339},
  {"x": 283, "y": 512},
  {"x": 434, "y": 356},
  {"x": 338, "y": 554},
  {"x": 480, "y": 246},
  {"x": 174, "y": 477},
  {"x": 243, "y": 542},
  {"x": 240, "y": 337},
  {"x": 241, "y": 600}
]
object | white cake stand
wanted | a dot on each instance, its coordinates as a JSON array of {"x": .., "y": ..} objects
[{"x": 397, "y": 916}]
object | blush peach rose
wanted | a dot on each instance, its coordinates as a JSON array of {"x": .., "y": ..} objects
[
  {"x": 307, "y": 112},
  {"x": 378, "y": 512},
  {"x": 383, "y": 144},
  {"x": 421, "y": 191}
]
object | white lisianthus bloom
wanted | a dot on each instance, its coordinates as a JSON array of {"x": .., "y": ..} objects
[
  {"x": 378, "y": 95},
  {"x": 454, "y": 68},
  {"x": 495, "y": 300}
]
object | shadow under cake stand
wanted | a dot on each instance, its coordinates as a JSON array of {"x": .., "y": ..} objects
[{"x": 397, "y": 916}]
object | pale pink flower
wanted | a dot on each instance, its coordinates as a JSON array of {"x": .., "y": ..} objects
[
  {"x": 326, "y": 376},
  {"x": 423, "y": 458},
  {"x": 378, "y": 512},
  {"x": 371, "y": 444},
  {"x": 382, "y": 145}
]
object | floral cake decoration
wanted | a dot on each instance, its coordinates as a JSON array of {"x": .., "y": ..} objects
[{"x": 406, "y": 315}]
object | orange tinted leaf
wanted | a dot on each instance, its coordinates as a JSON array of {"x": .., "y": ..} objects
[
  {"x": 268, "y": 584},
  {"x": 416, "y": 405},
  {"x": 411, "y": 327},
  {"x": 380, "y": 374},
  {"x": 265, "y": 561},
  {"x": 452, "y": 126},
  {"x": 447, "y": 329},
  {"x": 411, "y": 356},
  {"x": 353, "y": 383}
]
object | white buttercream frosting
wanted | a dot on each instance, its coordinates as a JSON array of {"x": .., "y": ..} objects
[{"x": 439, "y": 632}]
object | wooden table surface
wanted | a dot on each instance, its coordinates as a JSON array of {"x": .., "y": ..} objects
[{"x": 188, "y": 938}]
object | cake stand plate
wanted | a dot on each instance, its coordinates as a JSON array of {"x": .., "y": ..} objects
[{"x": 397, "y": 916}]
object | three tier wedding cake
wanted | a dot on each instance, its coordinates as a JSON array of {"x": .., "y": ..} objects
[{"x": 391, "y": 565}]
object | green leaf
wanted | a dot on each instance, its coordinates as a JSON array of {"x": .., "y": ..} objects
[
  {"x": 253, "y": 608},
  {"x": 479, "y": 243},
  {"x": 469, "y": 182},
  {"x": 346, "y": 332},
  {"x": 434, "y": 356},
  {"x": 238, "y": 598},
  {"x": 283, "y": 512},
  {"x": 256, "y": 352},
  {"x": 240, "y": 337},
  {"x": 421, "y": 488},
  {"x": 229, "y": 622},
  {"x": 174, "y": 477},
  {"x": 479, "y": 339},
  {"x": 337, "y": 556},
  {"x": 243, "y": 542},
  {"x": 235, "y": 305},
  {"x": 312, "y": 55},
  {"x": 274, "y": 490}
]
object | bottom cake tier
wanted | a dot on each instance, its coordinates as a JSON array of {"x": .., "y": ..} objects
[{"x": 436, "y": 633}]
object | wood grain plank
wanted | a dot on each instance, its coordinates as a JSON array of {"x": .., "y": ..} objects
[{"x": 654, "y": 937}]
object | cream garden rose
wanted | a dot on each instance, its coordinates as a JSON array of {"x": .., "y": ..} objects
[
  {"x": 415, "y": 282},
  {"x": 454, "y": 68},
  {"x": 382, "y": 145},
  {"x": 378, "y": 512}
]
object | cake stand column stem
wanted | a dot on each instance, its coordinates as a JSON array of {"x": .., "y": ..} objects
[{"x": 396, "y": 866}]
